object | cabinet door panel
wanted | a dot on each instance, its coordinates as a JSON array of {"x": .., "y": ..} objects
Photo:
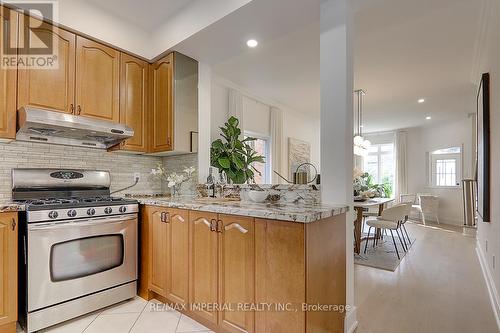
[
  {"x": 97, "y": 80},
  {"x": 8, "y": 77},
  {"x": 236, "y": 272},
  {"x": 279, "y": 275},
  {"x": 161, "y": 105},
  {"x": 177, "y": 256},
  {"x": 203, "y": 281},
  {"x": 158, "y": 252},
  {"x": 8, "y": 266},
  {"x": 49, "y": 88},
  {"x": 133, "y": 100}
]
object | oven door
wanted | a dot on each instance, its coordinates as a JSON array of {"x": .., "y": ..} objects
[{"x": 70, "y": 259}]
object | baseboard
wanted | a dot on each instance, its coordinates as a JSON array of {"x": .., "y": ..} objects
[
  {"x": 490, "y": 284},
  {"x": 351, "y": 321}
]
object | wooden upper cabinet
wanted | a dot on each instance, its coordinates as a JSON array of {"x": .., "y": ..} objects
[
  {"x": 162, "y": 105},
  {"x": 236, "y": 271},
  {"x": 177, "y": 256},
  {"x": 97, "y": 80},
  {"x": 50, "y": 88},
  {"x": 134, "y": 101},
  {"x": 203, "y": 261},
  {"x": 8, "y": 77},
  {"x": 8, "y": 274},
  {"x": 157, "y": 251}
]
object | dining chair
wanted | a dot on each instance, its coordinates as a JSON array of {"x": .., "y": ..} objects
[
  {"x": 409, "y": 207},
  {"x": 430, "y": 206},
  {"x": 391, "y": 219},
  {"x": 414, "y": 199}
]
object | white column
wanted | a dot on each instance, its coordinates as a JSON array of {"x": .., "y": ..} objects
[
  {"x": 204, "y": 110},
  {"x": 337, "y": 123}
]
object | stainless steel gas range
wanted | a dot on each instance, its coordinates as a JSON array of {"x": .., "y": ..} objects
[{"x": 78, "y": 245}]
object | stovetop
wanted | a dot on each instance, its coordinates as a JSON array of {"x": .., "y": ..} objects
[{"x": 62, "y": 203}]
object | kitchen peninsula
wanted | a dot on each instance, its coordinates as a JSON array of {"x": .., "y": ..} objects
[{"x": 223, "y": 262}]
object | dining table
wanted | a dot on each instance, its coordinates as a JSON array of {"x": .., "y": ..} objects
[{"x": 360, "y": 207}]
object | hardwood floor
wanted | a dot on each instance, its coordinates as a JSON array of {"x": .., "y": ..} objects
[{"x": 438, "y": 287}]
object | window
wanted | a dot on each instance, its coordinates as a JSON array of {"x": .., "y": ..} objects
[
  {"x": 446, "y": 167},
  {"x": 261, "y": 146},
  {"x": 379, "y": 163}
]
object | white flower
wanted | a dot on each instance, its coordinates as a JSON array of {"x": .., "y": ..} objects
[{"x": 189, "y": 171}]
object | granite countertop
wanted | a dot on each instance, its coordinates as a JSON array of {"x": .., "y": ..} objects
[
  {"x": 293, "y": 212},
  {"x": 10, "y": 206}
]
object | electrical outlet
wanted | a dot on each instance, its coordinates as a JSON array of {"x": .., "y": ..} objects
[{"x": 137, "y": 176}]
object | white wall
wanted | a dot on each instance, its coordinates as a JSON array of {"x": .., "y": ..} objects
[
  {"x": 422, "y": 140},
  {"x": 489, "y": 233},
  {"x": 257, "y": 119},
  {"x": 337, "y": 124}
]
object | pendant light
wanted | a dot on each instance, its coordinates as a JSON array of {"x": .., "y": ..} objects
[{"x": 361, "y": 145}]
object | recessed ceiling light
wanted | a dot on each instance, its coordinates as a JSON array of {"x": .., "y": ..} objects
[
  {"x": 428, "y": 118},
  {"x": 252, "y": 43},
  {"x": 422, "y": 100}
]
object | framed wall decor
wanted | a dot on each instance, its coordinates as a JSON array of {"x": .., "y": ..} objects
[{"x": 483, "y": 149}]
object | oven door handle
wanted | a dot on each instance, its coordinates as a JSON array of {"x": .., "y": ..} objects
[{"x": 81, "y": 223}]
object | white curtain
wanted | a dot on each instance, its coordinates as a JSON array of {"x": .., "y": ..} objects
[
  {"x": 401, "y": 181},
  {"x": 276, "y": 143},
  {"x": 236, "y": 107}
]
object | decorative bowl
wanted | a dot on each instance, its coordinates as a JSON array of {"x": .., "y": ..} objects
[{"x": 257, "y": 196}]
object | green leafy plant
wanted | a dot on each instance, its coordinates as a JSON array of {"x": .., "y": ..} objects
[
  {"x": 363, "y": 182},
  {"x": 234, "y": 156}
]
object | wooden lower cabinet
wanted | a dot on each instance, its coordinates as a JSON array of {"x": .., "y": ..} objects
[
  {"x": 236, "y": 272},
  {"x": 8, "y": 274},
  {"x": 203, "y": 263},
  {"x": 247, "y": 275},
  {"x": 168, "y": 253}
]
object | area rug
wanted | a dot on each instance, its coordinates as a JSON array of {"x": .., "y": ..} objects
[{"x": 382, "y": 256}]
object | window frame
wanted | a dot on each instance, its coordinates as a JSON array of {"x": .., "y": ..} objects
[
  {"x": 432, "y": 159},
  {"x": 268, "y": 154},
  {"x": 379, "y": 155}
]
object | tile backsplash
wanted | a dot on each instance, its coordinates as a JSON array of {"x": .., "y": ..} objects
[
  {"x": 121, "y": 166},
  {"x": 178, "y": 164}
]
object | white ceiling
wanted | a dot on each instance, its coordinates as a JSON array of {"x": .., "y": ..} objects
[
  {"x": 285, "y": 65},
  {"x": 405, "y": 50},
  {"x": 147, "y": 15},
  {"x": 146, "y": 28}
]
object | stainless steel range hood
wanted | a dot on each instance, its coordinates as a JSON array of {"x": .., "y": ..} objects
[{"x": 40, "y": 125}]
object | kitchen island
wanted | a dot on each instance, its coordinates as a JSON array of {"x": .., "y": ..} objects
[{"x": 246, "y": 267}]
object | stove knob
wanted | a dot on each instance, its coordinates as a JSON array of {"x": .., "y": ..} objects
[
  {"x": 71, "y": 213},
  {"x": 123, "y": 209},
  {"x": 90, "y": 211},
  {"x": 53, "y": 214},
  {"x": 108, "y": 210}
]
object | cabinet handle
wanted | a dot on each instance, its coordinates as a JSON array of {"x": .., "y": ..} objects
[
  {"x": 14, "y": 224},
  {"x": 162, "y": 217},
  {"x": 236, "y": 226},
  {"x": 167, "y": 217},
  {"x": 72, "y": 108},
  {"x": 78, "y": 110},
  {"x": 220, "y": 226},
  {"x": 204, "y": 221},
  {"x": 177, "y": 216}
]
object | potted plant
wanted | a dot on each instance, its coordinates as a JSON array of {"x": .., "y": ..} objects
[{"x": 233, "y": 156}]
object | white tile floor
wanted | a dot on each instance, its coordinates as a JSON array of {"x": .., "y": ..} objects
[{"x": 134, "y": 316}]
